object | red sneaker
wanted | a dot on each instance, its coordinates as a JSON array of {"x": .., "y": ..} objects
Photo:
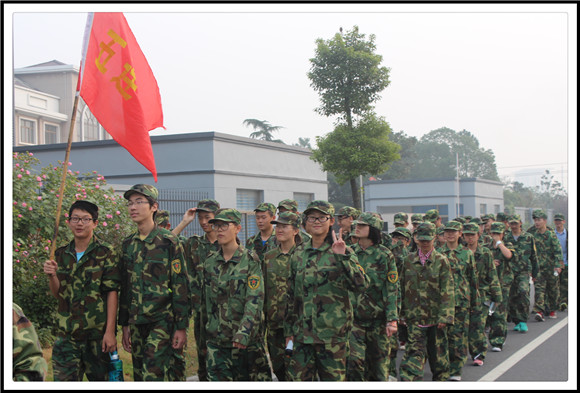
[{"x": 553, "y": 315}]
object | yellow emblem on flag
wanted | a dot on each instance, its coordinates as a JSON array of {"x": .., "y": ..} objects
[
  {"x": 254, "y": 282},
  {"x": 176, "y": 266},
  {"x": 393, "y": 276}
]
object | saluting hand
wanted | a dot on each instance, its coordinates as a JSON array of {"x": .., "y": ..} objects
[
  {"x": 189, "y": 215},
  {"x": 338, "y": 245}
]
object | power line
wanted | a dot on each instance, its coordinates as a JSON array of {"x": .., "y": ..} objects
[{"x": 527, "y": 166}]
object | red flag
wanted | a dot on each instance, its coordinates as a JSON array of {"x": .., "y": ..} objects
[{"x": 118, "y": 85}]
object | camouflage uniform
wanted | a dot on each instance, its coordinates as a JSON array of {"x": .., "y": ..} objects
[
  {"x": 348, "y": 211},
  {"x": 319, "y": 313},
  {"x": 431, "y": 216},
  {"x": 255, "y": 243},
  {"x": 154, "y": 299},
  {"x": 27, "y": 361},
  {"x": 369, "y": 343},
  {"x": 467, "y": 300},
  {"x": 415, "y": 219},
  {"x": 498, "y": 320},
  {"x": 292, "y": 206},
  {"x": 563, "y": 238},
  {"x": 82, "y": 311},
  {"x": 428, "y": 298},
  {"x": 549, "y": 253},
  {"x": 162, "y": 218},
  {"x": 233, "y": 292},
  {"x": 524, "y": 264}
]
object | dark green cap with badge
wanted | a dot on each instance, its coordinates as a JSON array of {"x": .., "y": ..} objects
[
  {"x": 208, "y": 205},
  {"x": 403, "y": 232},
  {"x": 401, "y": 218},
  {"x": 348, "y": 211},
  {"x": 370, "y": 219},
  {"x": 143, "y": 189},
  {"x": 266, "y": 207},
  {"x": 486, "y": 217},
  {"x": 471, "y": 228},
  {"x": 227, "y": 215},
  {"x": 460, "y": 219},
  {"x": 426, "y": 231},
  {"x": 289, "y": 204},
  {"x": 162, "y": 217},
  {"x": 514, "y": 218},
  {"x": 417, "y": 218},
  {"x": 320, "y": 205},
  {"x": 501, "y": 216},
  {"x": 539, "y": 213},
  {"x": 287, "y": 217},
  {"x": 431, "y": 215},
  {"x": 453, "y": 226},
  {"x": 497, "y": 227},
  {"x": 476, "y": 220},
  {"x": 559, "y": 217}
]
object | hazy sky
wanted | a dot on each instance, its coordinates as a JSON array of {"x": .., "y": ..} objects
[{"x": 506, "y": 73}]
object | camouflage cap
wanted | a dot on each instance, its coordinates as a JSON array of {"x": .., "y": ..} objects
[
  {"x": 287, "y": 217},
  {"x": 559, "y": 216},
  {"x": 453, "y": 226},
  {"x": 486, "y": 217},
  {"x": 348, "y": 211},
  {"x": 468, "y": 218},
  {"x": 471, "y": 228},
  {"x": 426, "y": 231},
  {"x": 322, "y": 206},
  {"x": 370, "y": 219},
  {"x": 417, "y": 218},
  {"x": 208, "y": 205},
  {"x": 501, "y": 216},
  {"x": 539, "y": 213},
  {"x": 227, "y": 215},
  {"x": 431, "y": 215},
  {"x": 266, "y": 207},
  {"x": 476, "y": 220},
  {"x": 514, "y": 218},
  {"x": 460, "y": 219},
  {"x": 289, "y": 204},
  {"x": 162, "y": 217},
  {"x": 143, "y": 189},
  {"x": 440, "y": 230},
  {"x": 497, "y": 227},
  {"x": 402, "y": 232},
  {"x": 401, "y": 218}
]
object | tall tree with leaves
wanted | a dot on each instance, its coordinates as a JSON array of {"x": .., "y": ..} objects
[
  {"x": 347, "y": 75},
  {"x": 304, "y": 142},
  {"x": 262, "y": 130}
]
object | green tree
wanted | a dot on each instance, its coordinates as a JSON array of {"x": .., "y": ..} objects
[
  {"x": 347, "y": 75},
  {"x": 363, "y": 150},
  {"x": 401, "y": 169},
  {"x": 262, "y": 130},
  {"x": 304, "y": 142}
]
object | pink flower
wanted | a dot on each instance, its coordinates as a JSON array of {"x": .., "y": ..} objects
[
  {"x": 19, "y": 176},
  {"x": 39, "y": 198},
  {"x": 23, "y": 204},
  {"x": 46, "y": 248},
  {"x": 97, "y": 187},
  {"x": 70, "y": 163},
  {"x": 66, "y": 214},
  {"x": 117, "y": 226},
  {"x": 117, "y": 212},
  {"x": 40, "y": 184},
  {"x": 30, "y": 154},
  {"x": 28, "y": 172},
  {"x": 17, "y": 165},
  {"x": 44, "y": 176},
  {"x": 15, "y": 203},
  {"x": 106, "y": 196},
  {"x": 38, "y": 178},
  {"x": 30, "y": 208},
  {"x": 18, "y": 261},
  {"x": 34, "y": 277},
  {"x": 94, "y": 171},
  {"x": 20, "y": 216},
  {"x": 104, "y": 223},
  {"x": 109, "y": 216}
]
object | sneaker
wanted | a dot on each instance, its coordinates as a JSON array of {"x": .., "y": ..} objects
[
  {"x": 523, "y": 327},
  {"x": 540, "y": 317},
  {"x": 455, "y": 378},
  {"x": 517, "y": 328},
  {"x": 496, "y": 349},
  {"x": 553, "y": 315},
  {"x": 478, "y": 362},
  {"x": 563, "y": 307}
]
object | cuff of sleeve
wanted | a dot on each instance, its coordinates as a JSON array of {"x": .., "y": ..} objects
[
  {"x": 182, "y": 324},
  {"x": 241, "y": 339}
]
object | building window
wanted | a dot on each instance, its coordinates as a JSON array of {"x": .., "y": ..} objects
[
  {"x": 51, "y": 133},
  {"x": 482, "y": 209},
  {"x": 496, "y": 209},
  {"x": 90, "y": 130},
  {"x": 303, "y": 200},
  {"x": 28, "y": 132}
]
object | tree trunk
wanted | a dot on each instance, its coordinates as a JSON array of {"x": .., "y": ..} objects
[{"x": 355, "y": 194}]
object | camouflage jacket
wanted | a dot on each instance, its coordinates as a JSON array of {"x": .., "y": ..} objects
[
  {"x": 485, "y": 240},
  {"x": 504, "y": 269},
  {"x": 27, "y": 361},
  {"x": 377, "y": 305},
  {"x": 400, "y": 252},
  {"x": 234, "y": 298},
  {"x": 548, "y": 249},
  {"x": 155, "y": 284},
  {"x": 464, "y": 276},
  {"x": 489, "y": 286},
  {"x": 255, "y": 244},
  {"x": 526, "y": 260},
  {"x": 276, "y": 270},
  {"x": 319, "y": 308},
  {"x": 427, "y": 292},
  {"x": 196, "y": 249},
  {"x": 82, "y": 294}
]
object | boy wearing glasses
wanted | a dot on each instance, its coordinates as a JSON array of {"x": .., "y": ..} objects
[
  {"x": 154, "y": 300},
  {"x": 84, "y": 277}
]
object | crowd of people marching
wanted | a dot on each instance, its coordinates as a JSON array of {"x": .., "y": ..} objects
[{"x": 299, "y": 301}]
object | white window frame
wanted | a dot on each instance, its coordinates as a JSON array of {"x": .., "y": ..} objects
[
  {"x": 57, "y": 132},
  {"x": 35, "y": 131},
  {"x": 86, "y": 115}
]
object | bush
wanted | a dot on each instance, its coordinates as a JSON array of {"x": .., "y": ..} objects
[{"x": 35, "y": 199}]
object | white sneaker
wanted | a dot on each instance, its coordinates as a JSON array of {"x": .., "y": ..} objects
[
  {"x": 496, "y": 349},
  {"x": 455, "y": 378}
]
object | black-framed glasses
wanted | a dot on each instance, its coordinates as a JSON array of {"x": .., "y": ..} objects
[
  {"x": 131, "y": 203},
  {"x": 222, "y": 226},
  {"x": 312, "y": 219},
  {"x": 85, "y": 220}
]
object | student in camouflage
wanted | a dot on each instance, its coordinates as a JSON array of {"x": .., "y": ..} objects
[
  {"x": 265, "y": 239},
  {"x": 346, "y": 216},
  {"x": 489, "y": 291},
  {"x": 290, "y": 205},
  {"x": 276, "y": 271},
  {"x": 486, "y": 239},
  {"x": 401, "y": 220},
  {"x": 416, "y": 219},
  {"x": 85, "y": 278},
  {"x": 196, "y": 250},
  {"x": 319, "y": 316},
  {"x": 433, "y": 217},
  {"x": 162, "y": 219},
  {"x": 27, "y": 361},
  {"x": 154, "y": 299},
  {"x": 427, "y": 308},
  {"x": 375, "y": 310},
  {"x": 467, "y": 300},
  {"x": 550, "y": 261},
  {"x": 504, "y": 256},
  {"x": 562, "y": 235},
  {"x": 233, "y": 292},
  {"x": 523, "y": 265},
  {"x": 440, "y": 242}
]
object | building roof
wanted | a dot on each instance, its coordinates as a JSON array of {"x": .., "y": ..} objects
[{"x": 49, "y": 66}]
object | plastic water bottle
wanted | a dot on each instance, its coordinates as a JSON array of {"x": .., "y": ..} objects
[
  {"x": 115, "y": 367},
  {"x": 289, "y": 349}
]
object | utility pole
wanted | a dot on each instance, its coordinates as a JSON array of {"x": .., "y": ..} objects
[
  {"x": 362, "y": 201},
  {"x": 457, "y": 182}
]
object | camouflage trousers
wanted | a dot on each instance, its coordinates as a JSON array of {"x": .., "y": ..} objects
[
  {"x": 154, "y": 359},
  {"x": 425, "y": 343},
  {"x": 498, "y": 320},
  {"x": 200, "y": 345},
  {"x": 400, "y": 337},
  {"x": 369, "y": 354},
  {"x": 72, "y": 359},
  {"x": 277, "y": 349},
  {"x": 477, "y": 340},
  {"x": 325, "y": 361},
  {"x": 519, "y": 298},
  {"x": 547, "y": 290},
  {"x": 563, "y": 299},
  {"x": 234, "y": 364},
  {"x": 457, "y": 338}
]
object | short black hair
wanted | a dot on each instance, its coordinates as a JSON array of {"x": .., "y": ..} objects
[
  {"x": 86, "y": 206},
  {"x": 374, "y": 235}
]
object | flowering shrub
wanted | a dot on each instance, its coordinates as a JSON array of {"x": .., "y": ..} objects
[{"x": 35, "y": 199}]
